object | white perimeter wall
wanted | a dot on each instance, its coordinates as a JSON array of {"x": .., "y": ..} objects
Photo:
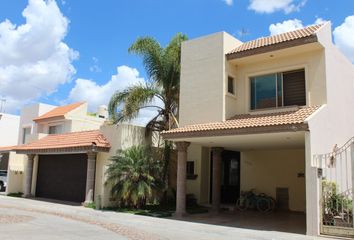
[{"x": 9, "y": 127}]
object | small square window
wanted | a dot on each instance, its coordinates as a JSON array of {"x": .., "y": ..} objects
[
  {"x": 190, "y": 168},
  {"x": 57, "y": 129},
  {"x": 231, "y": 85}
]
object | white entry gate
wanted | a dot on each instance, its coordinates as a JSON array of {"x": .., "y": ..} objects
[{"x": 336, "y": 170}]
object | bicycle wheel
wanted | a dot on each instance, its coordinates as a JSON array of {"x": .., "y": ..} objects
[
  {"x": 263, "y": 204},
  {"x": 272, "y": 204},
  {"x": 242, "y": 204}
]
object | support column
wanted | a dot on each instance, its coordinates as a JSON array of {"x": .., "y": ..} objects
[
  {"x": 313, "y": 193},
  {"x": 216, "y": 195},
  {"x": 181, "y": 178},
  {"x": 90, "y": 178},
  {"x": 29, "y": 173}
]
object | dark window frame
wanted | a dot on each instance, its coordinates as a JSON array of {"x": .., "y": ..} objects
[
  {"x": 190, "y": 169},
  {"x": 231, "y": 87}
]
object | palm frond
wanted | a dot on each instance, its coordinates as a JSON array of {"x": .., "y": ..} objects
[
  {"x": 151, "y": 51},
  {"x": 125, "y": 105}
]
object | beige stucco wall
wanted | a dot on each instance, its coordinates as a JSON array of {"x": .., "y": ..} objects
[
  {"x": 313, "y": 61},
  {"x": 202, "y": 74},
  {"x": 16, "y": 173},
  {"x": 120, "y": 137},
  {"x": 332, "y": 124},
  {"x": 266, "y": 170},
  {"x": 195, "y": 155},
  {"x": 199, "y": 187}
]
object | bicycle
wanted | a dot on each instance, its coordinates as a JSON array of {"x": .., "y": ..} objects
[{"x": 250, "y": 200}]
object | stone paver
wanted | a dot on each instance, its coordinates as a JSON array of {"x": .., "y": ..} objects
[{"x": 57, "y": 221}]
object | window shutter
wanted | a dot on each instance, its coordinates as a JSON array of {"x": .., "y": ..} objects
[{"x": 294, "y": 88}]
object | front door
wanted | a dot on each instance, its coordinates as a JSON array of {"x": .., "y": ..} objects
[{"x": 230, "y": 177}]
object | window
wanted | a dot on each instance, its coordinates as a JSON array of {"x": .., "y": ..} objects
[
  {"x": 231, "y": 85},
  {"x": 278, "y": 89},
  {"x": 190, "y": 170},
  {"x": 57, "y": 129},
  {"x": 25, "y": 134}
]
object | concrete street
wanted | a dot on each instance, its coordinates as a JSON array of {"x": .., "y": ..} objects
[{"x": 34, "y": 219}]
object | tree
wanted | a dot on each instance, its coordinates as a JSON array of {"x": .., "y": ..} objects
[
  {"x": 134, "y": 176},
  {"x": 162, "y": 65}
]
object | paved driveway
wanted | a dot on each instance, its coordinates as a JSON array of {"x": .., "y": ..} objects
[{"x": 33, "y": 219}]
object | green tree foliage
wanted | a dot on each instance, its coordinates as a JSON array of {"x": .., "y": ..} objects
[{"x": 134, "y": 176}]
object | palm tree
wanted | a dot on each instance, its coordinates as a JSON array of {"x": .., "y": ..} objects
[
  {"x": 133, "y": 175},
  {"x": 162, "y": 65}
]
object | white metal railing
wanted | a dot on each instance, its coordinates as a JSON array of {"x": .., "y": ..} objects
[{"x": 336, "y": 170}]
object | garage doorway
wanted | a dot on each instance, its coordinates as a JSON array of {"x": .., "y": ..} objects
[{"x": 62, "y": 177}]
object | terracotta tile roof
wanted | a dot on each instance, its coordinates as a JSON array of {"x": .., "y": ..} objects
[
  {"x": 68, "y": 142},
  {"x": 59, "y": 111},
  {"x": 275, "y": 39},
  {"x": 247, "y": 123},
  {"x": 6, "y": 149}
]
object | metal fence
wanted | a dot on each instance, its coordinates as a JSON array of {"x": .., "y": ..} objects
[{"x": 336, "y": 172}]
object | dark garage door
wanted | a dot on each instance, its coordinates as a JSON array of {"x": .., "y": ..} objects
[{"x": 62, "y": 177}]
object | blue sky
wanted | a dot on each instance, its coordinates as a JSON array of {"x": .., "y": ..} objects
[{"x": 98, "y": 33}]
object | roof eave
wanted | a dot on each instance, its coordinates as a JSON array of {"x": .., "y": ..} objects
[
  {"x": 239, "y": 131},
  {"x": 270, "y": 48},
  {"x": 65, "y": 150},
  {"x": 48, "y": 119}
]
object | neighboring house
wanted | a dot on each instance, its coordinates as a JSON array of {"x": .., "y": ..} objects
[
  {"x": 64, "y": 151},
  {"x": 9, "y": 125},
  {"x": 252, "y": 116}
]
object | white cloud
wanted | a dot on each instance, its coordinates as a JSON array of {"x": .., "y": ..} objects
[
  {"x": 95, "y": 67},
  {"x": 320, "y": 21},
  {"x": 286, "y": 26},
  {"x": 343, "y": 34},
  {"x": 228, "y": 2},
  {"x": 96, "y": 95},
  {"x": 344, "y": 37},
  {"x": 290, "y": 25},
  {"x": 34, "y": 60},
  {"x": 270, "y": 6}
]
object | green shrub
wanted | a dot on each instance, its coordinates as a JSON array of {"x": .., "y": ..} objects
[{"x": 18, "y": 194}]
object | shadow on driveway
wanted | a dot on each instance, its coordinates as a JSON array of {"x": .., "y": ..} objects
[{"x": 282, "y": 221}]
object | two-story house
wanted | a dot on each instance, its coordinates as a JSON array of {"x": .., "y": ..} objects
[
  {"x": 252, "y": 116},
  {"x": 63, "y": 152}
]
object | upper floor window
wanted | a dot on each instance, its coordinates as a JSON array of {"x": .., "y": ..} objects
[
  {"x": 231, "y": 85},
  {"x": 26, "y": 131},
  {"x": 278, "y": 90},
  {"x": 57, "y": 129}
]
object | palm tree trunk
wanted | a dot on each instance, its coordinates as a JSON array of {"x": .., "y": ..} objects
[{"x": 167, "y": 158}]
